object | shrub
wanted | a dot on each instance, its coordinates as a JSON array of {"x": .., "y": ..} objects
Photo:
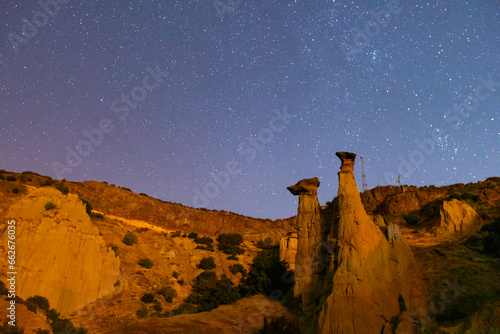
[
  {"x": 412, "y": 218},
  {"x": 267, "y": 243},
  {"x": 280, "y": 325},
  {"x": 207, "y": 263},
  {"x": 470, "y": 197},
  {"x": 193, "y": 235},
  {"x": 175, "y": 274},
  {"x": 232, "y": 257},
  {"x": 146, "y": 263},
  {"x": 1, "y": 177},
  {"x": 88, "y": 207},
  {"x": 168, "y": 292},
  {"x": 49, "y": 206},
  {"x": 117, "y": 283},
  {"x": 48, "y": 182},
  {"x": 40, "y": 302},
  {"x": 148, "y": 298},
  {"x": 185, "y": 308},
  {"x": 61, "y": 325},
  {"x": 207, "y": 243},
  {"x": 3, "y": 289},
  {"x": 157, "y": 306},
  {"x": 181, "y": 281},
  {"x": 266, "y": 274},
  {"x": 175, "y": 234},
  {"x": 229, "y": 243},
  {"x": 237, "y": 268},
  {"x": 61, "y": 187},
  {"x": 210, "y": 292},
  {"x": 129, "y": 239},
  {"x": 15, "y": 191},
  {"x": 143, "y": 312},
  {"x": 11, "y": 178}
]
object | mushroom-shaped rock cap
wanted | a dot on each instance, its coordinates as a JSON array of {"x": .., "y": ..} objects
[
  {"x": 347, "y": 159},
  {"x": 306, "y": 186}
]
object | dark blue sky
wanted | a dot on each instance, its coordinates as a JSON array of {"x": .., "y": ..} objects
[{"x": 157, "y": 96}]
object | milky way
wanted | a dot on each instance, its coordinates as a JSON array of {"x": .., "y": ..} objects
[{"x": 223, "y": 104}]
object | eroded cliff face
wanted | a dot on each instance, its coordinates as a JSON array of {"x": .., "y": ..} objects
[
  {"x": 288, "y": 249},
  {"x": 458, "y": 219},
  {"x": 121, "y": 202},
  {"x": 60, "y": 253},
  {"x": 369, "y": 282}
]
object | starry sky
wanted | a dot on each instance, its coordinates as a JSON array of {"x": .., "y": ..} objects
[{"x": 223, "y": 104}]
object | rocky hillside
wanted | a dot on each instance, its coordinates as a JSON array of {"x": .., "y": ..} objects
[{"x": 395, "y": 259}]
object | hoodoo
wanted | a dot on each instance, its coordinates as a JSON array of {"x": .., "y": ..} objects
[
  {"x": 308, "y": 229},
  {"x": 370, "y": 282}
]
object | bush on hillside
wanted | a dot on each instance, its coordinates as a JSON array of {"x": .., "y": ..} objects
[
  {"x": 49, "y": 206},
  {"x": 129, "y": 239},
  {"x": 411, "y": 218},
  {"x": 146, "y": 263},
  {"x": 266, "y": 274},
  {"x": 207, "y": 263},
  {"x": 148, "y": 298},
  {"x": 169, "y": 293},
  {"x": 230, "y": 244}
]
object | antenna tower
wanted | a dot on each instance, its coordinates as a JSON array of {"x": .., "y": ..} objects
[{"x": 363, "y": 175}]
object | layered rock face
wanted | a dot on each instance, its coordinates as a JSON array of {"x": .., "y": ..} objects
[
  {"x": 308, "y": 224},
  {"x": 458, "y": 219},
  {"x": 60, "y": 253},
  {"x": 288, "y": 249},
  {"x": 371, "y": 284}
]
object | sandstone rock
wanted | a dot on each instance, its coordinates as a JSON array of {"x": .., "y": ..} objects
[
  {"x": 393, "y": 232},
  {"x": 459, "y": 219},
  {"x": 306, "y": 186},
  {"x": 60, "y": 254},
  {"x": 288, "y": 249},
  {"x": 366, "y": 278},
  {"x": 380, "y": 222},
  {"x": 308, "y": 224}
]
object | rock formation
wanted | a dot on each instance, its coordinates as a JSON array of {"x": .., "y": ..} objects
[
  {"x": 370, "y": 283},
  {"x": 288, "y": 249},
  {"x": 60, "y": 254},
  {"x": 458, "y": 219},
  {"x": 308, "y": 224}
]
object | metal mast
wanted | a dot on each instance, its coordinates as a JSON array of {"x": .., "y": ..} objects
[{"x": 363, "y": 175}]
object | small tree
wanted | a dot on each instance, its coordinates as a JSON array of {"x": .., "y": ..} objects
[
  {"x": 207, "y": 263},
  {"x": 129, "y": 239},
  {"x": 168, "y": 292},
  {"x": 146, "y": 263},
  {"x": 49, "y": 206},
  {"x": 148, "y": 298},
  {"x": 15, "y": 191},
  {"x": 236, "y": 268},
  {"x": 40, "y": 302}
]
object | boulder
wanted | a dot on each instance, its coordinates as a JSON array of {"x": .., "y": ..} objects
[{"x": 458, "y": 219}]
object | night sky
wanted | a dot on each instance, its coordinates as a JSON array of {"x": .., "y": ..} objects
[{"x": 158, "y": 96}]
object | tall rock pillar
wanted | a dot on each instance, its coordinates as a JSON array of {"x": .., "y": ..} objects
[{"x": 308, "y": 231}]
